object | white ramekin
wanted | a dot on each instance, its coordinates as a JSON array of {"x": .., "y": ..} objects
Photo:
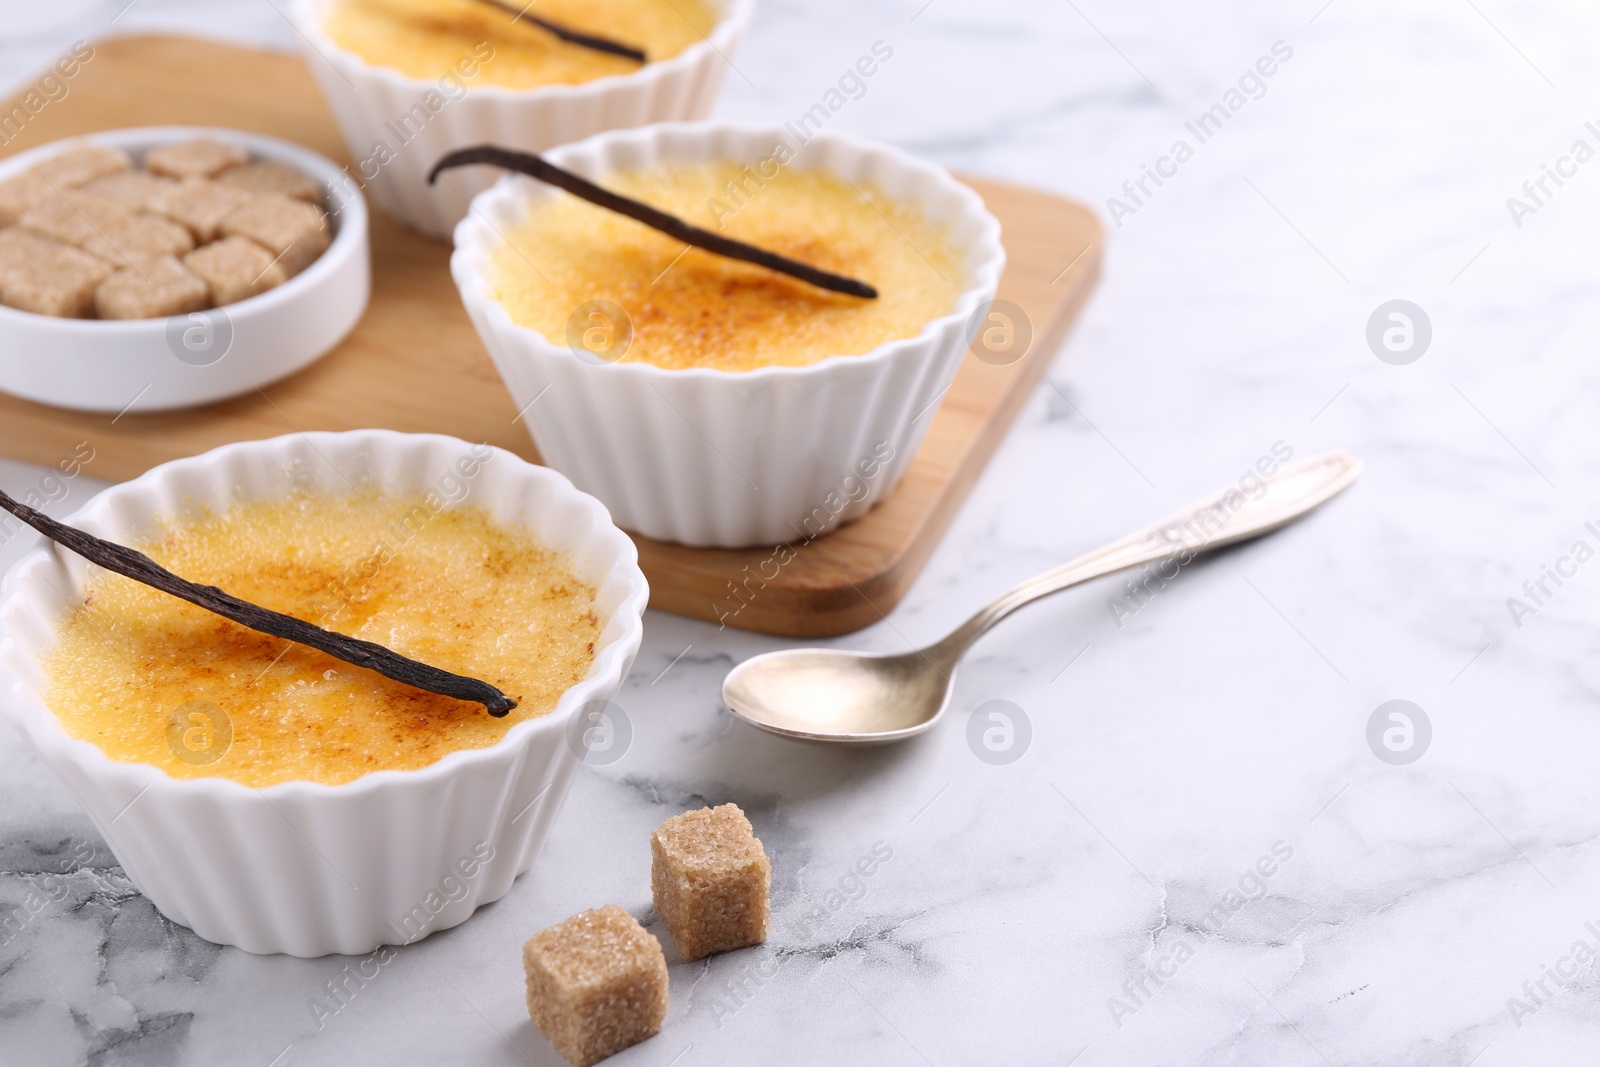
[
  {"x": 144, "y": 365},
  {"x": 709, "y": 457},
  {"x": 369, "y": 102},
  {"x": 300, "y": 867}
]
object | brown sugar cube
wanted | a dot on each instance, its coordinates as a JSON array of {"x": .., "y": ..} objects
[
  {"x": 73, "y": 217},
  {"x": 142, "y": 237},
  {"x": 199, "y": 158},
  {"x": 80, "y": 164},
  {"x": 103, "y": 228},
  {"x": 199, "y": 205},
  {"x": 20, "y": 249},
  {"x": 153, "y": 289},
  {"x": 19, "y": 193},
  {"x": 293, "y": 231},
  {"x": 235, "y": 268},
  {"x": 710, "y": 880},
  {"x": 55, "y": 279},
  {"x": 135, "y": 190},
  {"x": 597, "y": 983},
  {"x": 270, "y": 176}
]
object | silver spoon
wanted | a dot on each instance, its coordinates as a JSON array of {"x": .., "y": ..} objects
[{"x": 853, "y": 698}]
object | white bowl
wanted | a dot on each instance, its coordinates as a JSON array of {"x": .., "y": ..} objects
[
  {"x": 715, "y": 458},
  {"x": 147, "y": 365},
  {"x": 370, "y": 102},
  {"x": 301, "y": 867}
]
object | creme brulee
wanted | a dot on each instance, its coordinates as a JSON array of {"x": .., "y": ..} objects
[
  {"x": 691, "y": 308},
  {"x": 430, "y": 38},
  {"x": 152, "y": 679}
]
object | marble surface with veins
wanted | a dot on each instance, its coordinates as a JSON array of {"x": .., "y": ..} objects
[{"x": 1099, "y": 900}]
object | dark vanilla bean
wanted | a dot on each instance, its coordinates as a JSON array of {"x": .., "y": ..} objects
[
  {"x": 133, "y": 564},
  {"x": 545, "y": 171},
  {"x": 586, "y": 40}
]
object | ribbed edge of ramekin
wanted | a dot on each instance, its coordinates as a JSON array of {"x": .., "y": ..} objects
[
  {"x": 301, "y": 867},
  {"x": 366, "y": 98},
  {"x": 714, "y": 458}
]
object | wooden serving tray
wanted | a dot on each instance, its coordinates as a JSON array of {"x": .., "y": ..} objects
[{"x": 415, "y": 364}]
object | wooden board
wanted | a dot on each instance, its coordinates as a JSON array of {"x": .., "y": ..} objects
[{"x": 415, "y": 364}]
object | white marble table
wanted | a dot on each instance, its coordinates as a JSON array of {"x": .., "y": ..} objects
[{"x": 1422, "y": 914}]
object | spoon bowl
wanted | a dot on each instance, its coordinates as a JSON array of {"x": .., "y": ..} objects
[
  {"x": 853, "y": 698},
  {"x": 824, "y": 694}
]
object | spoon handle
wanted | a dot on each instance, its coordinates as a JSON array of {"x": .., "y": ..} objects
[{"x": 1226, "y": 517}]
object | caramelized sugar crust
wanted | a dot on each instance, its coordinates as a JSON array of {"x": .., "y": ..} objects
[
  {"x": 431, "y": 38},
  {"x": 152, "y": 679},
  {"x": 695, "y": 309}
]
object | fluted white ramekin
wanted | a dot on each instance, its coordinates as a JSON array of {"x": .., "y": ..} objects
[
  {"x": 717, "y": 458},
  {"x": 371, "y": 104},
  {"x": 301, "y": 867}
]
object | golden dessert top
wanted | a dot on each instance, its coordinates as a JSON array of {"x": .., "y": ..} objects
[
  {"x": 582, "y": 275},
  {"x": 468, "y": 43},
  {"x": 152, "y": 679}
]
